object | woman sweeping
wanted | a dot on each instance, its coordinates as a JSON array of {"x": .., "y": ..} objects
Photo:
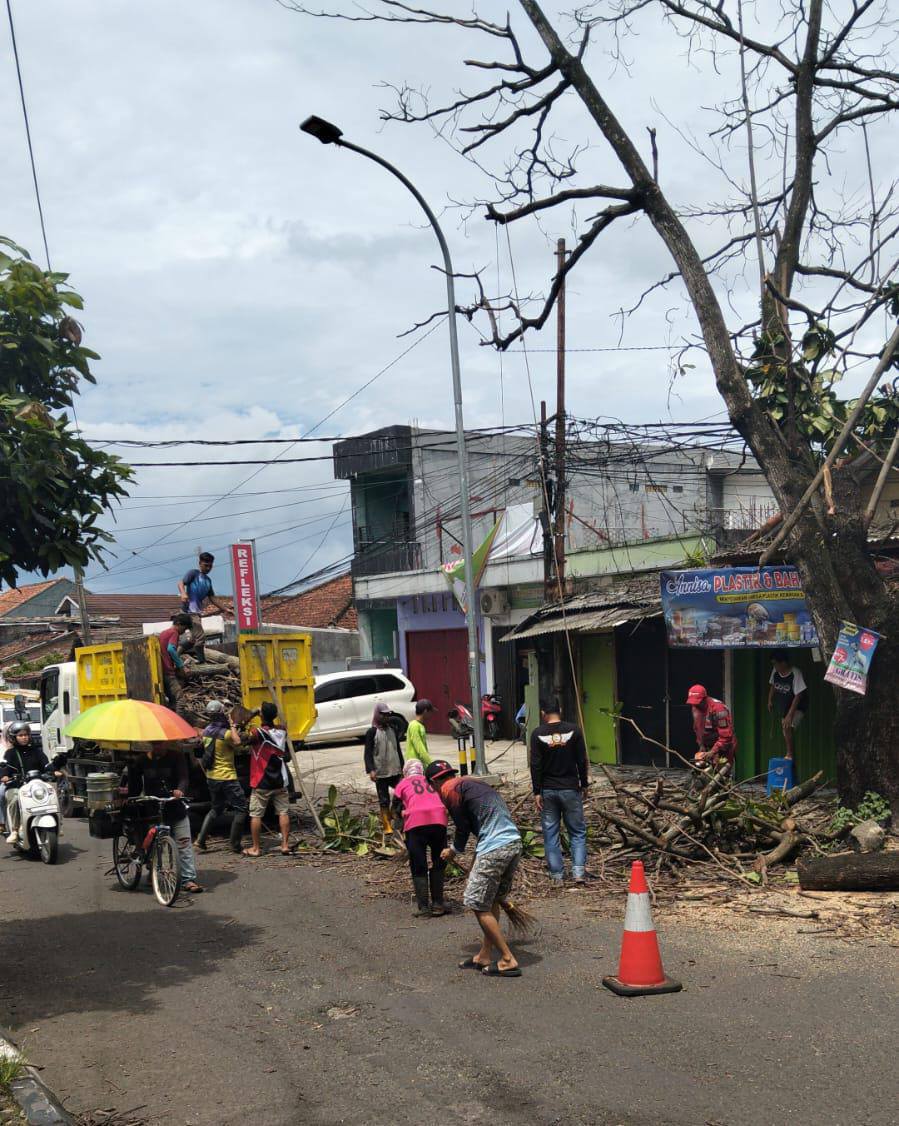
[{"x": 424, "y": 823}]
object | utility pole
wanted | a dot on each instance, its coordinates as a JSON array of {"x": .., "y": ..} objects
[
  {"x": 559, "y": 507},
  {"x": 82, "y": 607},
  {"x": 546, "y": 509},
  {"x": 560, "y": 644}
]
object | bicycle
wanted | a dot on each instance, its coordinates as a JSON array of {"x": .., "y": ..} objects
[{"x": 142, "y": 842}]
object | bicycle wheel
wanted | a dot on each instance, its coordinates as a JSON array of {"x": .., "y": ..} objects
[
  {"x": 66, "y": 797},
  {"x": 127, "y": 861},
  {"x": 165, "y": 870}
]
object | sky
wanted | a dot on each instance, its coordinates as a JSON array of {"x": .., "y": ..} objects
[{"x": 243, "y": 281}]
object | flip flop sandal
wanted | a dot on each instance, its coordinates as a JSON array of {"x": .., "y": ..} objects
[
  {"x": 251, "y": 855},
  {"x": 194, "y": 889},
  {"x": 471, "y": 964},
  {"x": 493, "y": 970}
]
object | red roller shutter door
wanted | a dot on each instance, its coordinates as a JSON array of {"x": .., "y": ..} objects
[{"x": 438, "y": 667}]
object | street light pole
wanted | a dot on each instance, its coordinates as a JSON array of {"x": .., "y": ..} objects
[{"x": 329, "y": 134}]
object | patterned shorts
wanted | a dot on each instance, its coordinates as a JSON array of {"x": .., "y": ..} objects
[{"x": 491, "y": 875}]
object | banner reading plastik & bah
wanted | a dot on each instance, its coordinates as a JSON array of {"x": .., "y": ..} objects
[
  {"x": 851, "y": 660},
  {"x": 246, "y": 605},
  {"x": 736, "y": 608}
]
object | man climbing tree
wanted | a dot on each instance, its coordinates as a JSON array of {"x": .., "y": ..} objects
[
  {"x": 53, "y": 485},
  {"x": 803, "y": 96}
]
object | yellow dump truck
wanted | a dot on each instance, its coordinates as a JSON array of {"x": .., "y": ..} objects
[{"x": 132, "y": 669}]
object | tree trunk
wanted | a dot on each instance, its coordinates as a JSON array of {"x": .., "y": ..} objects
[{"x": 851, "y": 871}]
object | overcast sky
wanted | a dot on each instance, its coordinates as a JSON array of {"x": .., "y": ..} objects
[{"x": 241, "y": 280}]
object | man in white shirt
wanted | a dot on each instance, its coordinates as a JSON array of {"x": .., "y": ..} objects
[{"x": 787, "y": 696}]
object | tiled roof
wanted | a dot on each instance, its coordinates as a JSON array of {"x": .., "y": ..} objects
[
  {"x": 327, "y": 606},
  {"x": 9, "y": 599},
  {"x": 130, "y": 609},
  {"x": 34, "y": 645}
]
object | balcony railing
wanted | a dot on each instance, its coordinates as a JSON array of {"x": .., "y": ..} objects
[{"x": 384, "y": 559}]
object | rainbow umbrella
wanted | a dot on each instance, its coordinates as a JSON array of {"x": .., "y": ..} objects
[{"x": 130, "y": 721}]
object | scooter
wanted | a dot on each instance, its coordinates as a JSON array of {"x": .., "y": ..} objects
[
  {"x": 491, "y": 709},
  {"x": 39, "y": 820}
]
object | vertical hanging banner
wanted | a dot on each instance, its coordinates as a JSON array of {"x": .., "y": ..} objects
[
  {"x": 246, "y": 597},
  {"x": 851, "y": 661},
  {"x": 454, "y": 572}
]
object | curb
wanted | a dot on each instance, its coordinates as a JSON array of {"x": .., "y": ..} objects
[{"x": 39, "y": 1105}]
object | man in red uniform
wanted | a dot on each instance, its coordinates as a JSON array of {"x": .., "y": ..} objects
[{"x": 714, "y": 728}]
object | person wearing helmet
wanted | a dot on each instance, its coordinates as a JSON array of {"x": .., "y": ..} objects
[
  {"x": 713, "y": 727},
  {"x": 22, "y": 756},
  {"x": 221, "y": 738},
  {"x": 477, "y": 809},
  {"x": 417, "y": 736},
  {"x": 424, "y": 823}
]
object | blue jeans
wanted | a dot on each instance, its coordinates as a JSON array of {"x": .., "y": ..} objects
[
  {"x": 181, "y": 833},
  {"x": 567, "y": 805}
]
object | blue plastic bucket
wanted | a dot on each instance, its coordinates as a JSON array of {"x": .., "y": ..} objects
[{"x": 780, "y": 774}]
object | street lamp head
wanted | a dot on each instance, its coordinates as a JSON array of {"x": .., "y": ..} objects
[{"x": 322, "y": 130}]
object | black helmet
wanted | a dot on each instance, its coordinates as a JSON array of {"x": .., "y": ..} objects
[
  {"x": 20, "y": 727},
  {"x": 440, "y": 769}
]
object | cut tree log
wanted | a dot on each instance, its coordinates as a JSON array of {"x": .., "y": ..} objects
[{"x": 851, "y": 871}]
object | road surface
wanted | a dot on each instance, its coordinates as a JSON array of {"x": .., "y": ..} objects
[{"x": 286, "y": 996}]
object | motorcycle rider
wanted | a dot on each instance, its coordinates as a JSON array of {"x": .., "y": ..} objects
[{"x": 23, "y": 756}]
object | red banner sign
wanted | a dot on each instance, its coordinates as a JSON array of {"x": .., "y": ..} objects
[{"x": 246, "y": 604}]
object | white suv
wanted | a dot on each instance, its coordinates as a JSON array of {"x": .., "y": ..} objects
[{"x": 345, "y": 702}]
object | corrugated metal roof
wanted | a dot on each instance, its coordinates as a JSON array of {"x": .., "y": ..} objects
[
  {"x": 629, "y": 600},
  {"x": 587, "y": 623}
]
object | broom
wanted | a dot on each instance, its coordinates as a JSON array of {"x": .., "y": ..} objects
[{"x": 520, "y": 921}]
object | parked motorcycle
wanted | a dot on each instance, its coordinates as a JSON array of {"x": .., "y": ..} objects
[
  {"x": 491, "y": 710},
  {"x": 40, "y": 822}
]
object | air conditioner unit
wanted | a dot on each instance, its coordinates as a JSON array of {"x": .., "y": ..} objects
[{"x": 494, "y": 603}]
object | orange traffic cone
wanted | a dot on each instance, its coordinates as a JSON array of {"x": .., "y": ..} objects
[{"x": 640, "y": 969}]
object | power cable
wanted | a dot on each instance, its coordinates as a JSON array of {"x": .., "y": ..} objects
[{"x": 37, "y": 190}]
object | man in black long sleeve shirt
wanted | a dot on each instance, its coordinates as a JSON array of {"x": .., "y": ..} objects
[{"x": 559, "y": 777}]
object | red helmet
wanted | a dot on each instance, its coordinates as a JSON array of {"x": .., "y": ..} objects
[{"x": 697, "y": 694}]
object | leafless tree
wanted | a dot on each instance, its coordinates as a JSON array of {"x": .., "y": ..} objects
[{"x": 799, "y": 85}]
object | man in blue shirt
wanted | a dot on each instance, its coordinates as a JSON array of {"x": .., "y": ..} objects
[
  {"x": 477, "y": 809},
  {"x": 196, "y": 590}
]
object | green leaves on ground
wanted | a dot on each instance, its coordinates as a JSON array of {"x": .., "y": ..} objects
[
  {"x": 872, "y": 807},
  {"x": 53, "y": 485},
  {"x": 346, "y": 831}
]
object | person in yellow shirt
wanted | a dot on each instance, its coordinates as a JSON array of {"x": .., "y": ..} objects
[
  {"x": 221, "y": 739},
  {"x": 417, "y": 735}
]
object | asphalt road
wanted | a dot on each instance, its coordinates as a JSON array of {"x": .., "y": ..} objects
[{"x": 286, "y": 996}]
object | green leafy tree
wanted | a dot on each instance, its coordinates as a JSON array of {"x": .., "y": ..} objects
[{"x": 53, "y": 485}]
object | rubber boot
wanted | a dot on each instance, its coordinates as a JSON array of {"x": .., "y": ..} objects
[
  {"x": 200, "y": 842},
  {"x": 435, "y": 879},
  {"x": 421, "y": 896},
  {"x": 235, "y": 839}
]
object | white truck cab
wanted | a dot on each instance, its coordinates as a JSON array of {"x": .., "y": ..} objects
[{"x": 59, "y": 706}]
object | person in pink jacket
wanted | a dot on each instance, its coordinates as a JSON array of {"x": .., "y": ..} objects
[{"x": 424, "y": 823}]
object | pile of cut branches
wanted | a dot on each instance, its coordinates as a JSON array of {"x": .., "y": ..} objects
[{"x": 708, "y": 818}]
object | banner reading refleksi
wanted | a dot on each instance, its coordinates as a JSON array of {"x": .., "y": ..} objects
[{"x": 737, "y": 608}]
